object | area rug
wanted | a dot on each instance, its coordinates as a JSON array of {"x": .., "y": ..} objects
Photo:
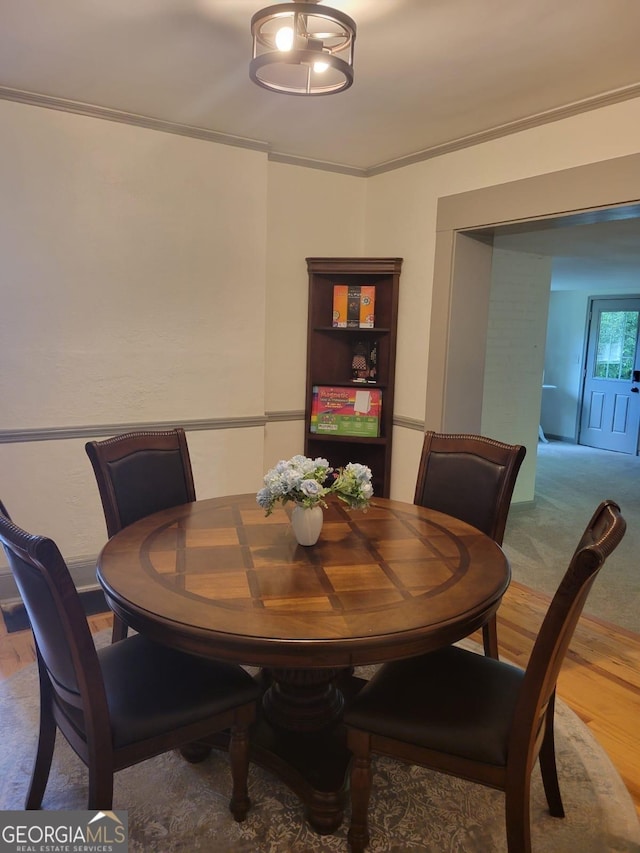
[{"x": 176, "y": 806}]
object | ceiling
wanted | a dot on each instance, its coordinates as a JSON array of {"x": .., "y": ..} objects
[
  {"x": 428, "y": 73},
  {"x": 430, "y": 76},
  {"x": 598, "y": 252}
]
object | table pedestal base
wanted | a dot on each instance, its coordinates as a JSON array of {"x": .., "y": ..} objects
[
  {"x": 314, "y": 765},
  {"x": 303, "y": 700}
]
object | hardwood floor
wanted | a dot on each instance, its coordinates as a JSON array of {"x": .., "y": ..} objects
[
  {"x": 600, "y": 679},
  {"x": 17, "y": 650}
]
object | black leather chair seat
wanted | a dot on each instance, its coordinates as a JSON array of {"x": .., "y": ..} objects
[
  {"x": 149, "y": 685},
  {"x": 452, "y": 700}
]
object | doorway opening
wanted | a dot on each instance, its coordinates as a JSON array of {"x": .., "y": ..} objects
[{"x": 466, "y": 227}]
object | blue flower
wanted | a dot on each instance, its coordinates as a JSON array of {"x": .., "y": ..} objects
[
  {"x": 311, "y": 488},
  {"x": 302, "y": 480},
  {"x": 298, "y": 479}
]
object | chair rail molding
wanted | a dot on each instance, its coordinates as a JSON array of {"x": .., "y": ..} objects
[{"x": 19, "y": 436}]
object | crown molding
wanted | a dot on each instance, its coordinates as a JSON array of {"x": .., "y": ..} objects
[
  {"x": 604, "y": 99},
  {"x": 108, "y": 114},
  {"x": 615, "y": 96},
  {"x": 275, "y": 157}
]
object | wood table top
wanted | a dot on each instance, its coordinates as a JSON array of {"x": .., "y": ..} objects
[{"x": 217, "y": 577}]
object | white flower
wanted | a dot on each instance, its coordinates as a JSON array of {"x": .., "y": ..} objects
[{"x": 353, "y": 485}]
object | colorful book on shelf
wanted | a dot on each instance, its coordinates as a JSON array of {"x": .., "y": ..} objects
[
  {"x": 367, "y": 306},
  {"x": 346, "y": 411},
  {"x": 353, "y": 306},
  {"x": 340, "y": 292}
]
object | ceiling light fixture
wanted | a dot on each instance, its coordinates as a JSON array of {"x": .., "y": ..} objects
[{"x": 302, "y": 49}]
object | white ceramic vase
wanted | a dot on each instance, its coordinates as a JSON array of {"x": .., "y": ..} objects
[{"x": 307, "y": 524}]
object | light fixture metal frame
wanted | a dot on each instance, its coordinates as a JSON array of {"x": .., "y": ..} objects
[{"x": 306, "y": 56}]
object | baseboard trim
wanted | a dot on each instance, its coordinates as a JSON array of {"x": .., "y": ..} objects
[
  {"x": 16, "y": 619},
  {"x": 82, "y": 570}
]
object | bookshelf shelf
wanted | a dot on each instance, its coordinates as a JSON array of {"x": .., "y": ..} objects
[
  {"x": 379, "y": 330},
  {"x": 348, "y": 439},
  {"x": 331, "y": 359}
]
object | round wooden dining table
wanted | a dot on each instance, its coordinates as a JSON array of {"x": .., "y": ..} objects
[{"x": 220, "y": 579}]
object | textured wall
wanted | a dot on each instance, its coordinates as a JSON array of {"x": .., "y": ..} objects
[
  {"x": 514, "y": 360},
  {"x": 133, "y": 290}
]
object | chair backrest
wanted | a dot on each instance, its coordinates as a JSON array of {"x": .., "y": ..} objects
[
  {"x": 140, "y": 473},
  {"x": 601, "y": 536},
  {"x": 63, "y": 640},
  {"x": 469, "y": 477}
]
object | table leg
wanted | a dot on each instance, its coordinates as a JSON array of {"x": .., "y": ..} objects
[{"x": 299, "y": 736}]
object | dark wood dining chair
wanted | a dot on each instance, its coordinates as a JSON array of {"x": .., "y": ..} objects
[
  {"x": 471, "y": 478},
  {"x": 474, "y": 717},
  {"x": 125, "y": 703},
  {"x": 139, "y": 473}
]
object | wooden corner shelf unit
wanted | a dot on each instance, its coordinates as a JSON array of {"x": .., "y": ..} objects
[{"x": 330, "y": 359}]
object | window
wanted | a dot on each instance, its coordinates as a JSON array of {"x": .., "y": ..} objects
[{"x": 616, "y": 349}]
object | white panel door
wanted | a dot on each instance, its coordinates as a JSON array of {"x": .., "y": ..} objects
[{"x": 610, "y": 416}]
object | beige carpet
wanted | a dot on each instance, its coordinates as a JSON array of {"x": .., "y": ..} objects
[
  {"x": 176, "y": 806},
  {"x": 571, "y": 481}
]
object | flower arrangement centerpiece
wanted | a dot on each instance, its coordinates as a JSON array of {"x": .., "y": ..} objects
[
  {"x": 303, "y": 481},
  {"x": 298, "y": 479}
]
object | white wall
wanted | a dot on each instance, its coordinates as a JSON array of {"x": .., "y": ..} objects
[
  {"x": 126, "y": 274},
  {"x": 133, "y": 290},
  {"x": 514, "y": 361},
  {"x": 564, "y": 356}
]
